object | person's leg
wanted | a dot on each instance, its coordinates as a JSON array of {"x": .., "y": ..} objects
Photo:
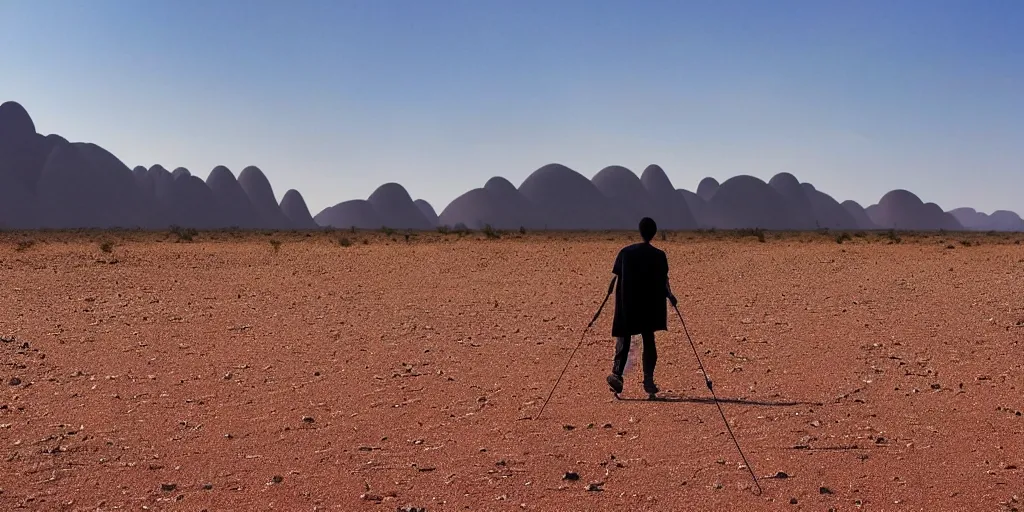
[
  {"x": 619, "y": 363},
  {"x": 621, "y": 355},
  {"x": 650, "y": 361}
]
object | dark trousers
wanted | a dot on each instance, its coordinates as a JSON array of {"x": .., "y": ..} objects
[{"x": 622, "y": 353}]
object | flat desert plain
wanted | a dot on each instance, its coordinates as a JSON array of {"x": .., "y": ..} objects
[{"x": 289, "y": 371}]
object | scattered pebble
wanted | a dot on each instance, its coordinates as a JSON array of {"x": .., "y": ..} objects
[
  {"x": 824, "y": 490},
  {"x": 571, "y": 476},
  {"x": 792, "y": 501},
  {"x": 595, "y": 486},
  {"x": 308, "y": 419},
  {"x": 207, "y": 487},
  {"x": 15, "y": 381},
  {"x": 168, "y": 487},
  {"x": 277, "y": 479}
]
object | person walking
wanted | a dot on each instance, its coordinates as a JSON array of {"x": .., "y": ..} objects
[{"x": 642, "y": 273}]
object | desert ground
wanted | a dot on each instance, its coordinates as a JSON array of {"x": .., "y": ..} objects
[{"x": 367, "y": 371}]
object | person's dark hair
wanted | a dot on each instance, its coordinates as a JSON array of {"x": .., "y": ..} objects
[{"x": 648, "y": 228}]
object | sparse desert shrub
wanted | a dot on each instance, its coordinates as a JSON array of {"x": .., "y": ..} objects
[
  {"x": 860, "y": 234},
  {"x": 366, "y": 241},
  {"x": 950, "y": 246},
  {"x": 407, "y": 238},
  {"x": 843, "y": 237},
  {"x": 461, "y": 229},
  {"x": 522, "y": 230},
  {"x": 184, "y": 234},
  {"x": 444, "y": 230},
  {"x": 893, "y": 237},
  {"x": 276, "y": 244},
  {"x": 490, "y": 232},
  {"x": 387, "y": 231},
  {"x": 107, "y": 246},
  {"x": 344, "y": 242},
  {"x": 353, "y": 229},
  {"x": 24, "y": 245},
  {"x": 965, "y": 243},
  {"x": 663, "y": 236},
  {"x": 755, "y": 232}
]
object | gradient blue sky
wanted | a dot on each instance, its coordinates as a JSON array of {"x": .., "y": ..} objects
[{"x": 335, "y": 97}]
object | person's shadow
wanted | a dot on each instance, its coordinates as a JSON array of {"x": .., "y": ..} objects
[{"x": 681, "y": 399}]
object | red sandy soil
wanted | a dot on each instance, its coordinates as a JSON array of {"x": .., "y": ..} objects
[{"x": 223, "y": 374}]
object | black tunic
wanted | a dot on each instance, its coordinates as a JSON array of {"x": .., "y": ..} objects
[{"x": 641, "y": 290}]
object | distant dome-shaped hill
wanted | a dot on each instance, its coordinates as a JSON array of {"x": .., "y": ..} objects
[
  {"x": 698, "y": 207},
  {"x": 801, "y": 211},
  {"x": 23, "y": 152},
  {"x": 970, "y": 218},
  {"x": 521, "y": 212},
  {"x": 672, "y": 213},
  {"x": 180, "y": 171},
  {"x": 747, "y": 202},
  {"x": 945, "y": 220},
  {"x": 428, "y": 211},
  {"x": 859, "y": 214},
  {"x": 357, "y": 213},
  {"x": 828, "y": 213},
  {"x": 294, "y": 207},
  {"x": 568, "y": 200},
  {"x": 138, "y": 171},
  {"x": 68, "y": 190},
  {"x": 15, "y": 124},
  {"x": 903, "y": 210},
  {"x": 261, "y": 195},
  {"x": 707, "y": 188},
  {"x": 23, "y": 160},
  {"x": 1005, "y": 220},
  {"x": 238, "y": 209},
  {"x": 18, "y": 207},
  {"x": 84, "y": 186},
  {"x": 396, "y": 209},
  {"x": 194, "y": 204},
  {"x": 119, "y": 189},
  {"x": 624, "y": 189},
  {"x": 476, "y": 209}
]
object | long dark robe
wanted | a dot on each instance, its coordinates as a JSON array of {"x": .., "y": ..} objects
[{"x": 641, "y": 290}]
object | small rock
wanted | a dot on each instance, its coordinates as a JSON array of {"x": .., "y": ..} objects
[
  {"x": 168, "y": 487},
  {"x": 792, "y": 501},
  {"x": 308, "y": 419},
  {"x": 571, "y": 476},
  {"x": 824, "y": 490},
  {"x": 277, "y": 479},
  {"x": 781, "y": 474},
  {"x": 595, "y": 487},
  {"x": 936, "y": 386},
  {"x": 229, "y": 376},
  {"x": 15, "y": 381},
  {"x": 371, "y": 497},
  {"x": 569, "y": 427},
  {"x": 207, "y": 487}
]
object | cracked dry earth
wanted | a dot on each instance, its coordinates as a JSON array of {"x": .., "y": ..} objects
[{"x": 226, "y": 375}]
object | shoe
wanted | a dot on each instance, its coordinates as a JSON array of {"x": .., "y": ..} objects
[
  {"x": 615, "y": 382},
  {"x": 650, "y": 388}
]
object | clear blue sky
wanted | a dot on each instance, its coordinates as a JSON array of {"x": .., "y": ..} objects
[{"x": 335, "y": 97}]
